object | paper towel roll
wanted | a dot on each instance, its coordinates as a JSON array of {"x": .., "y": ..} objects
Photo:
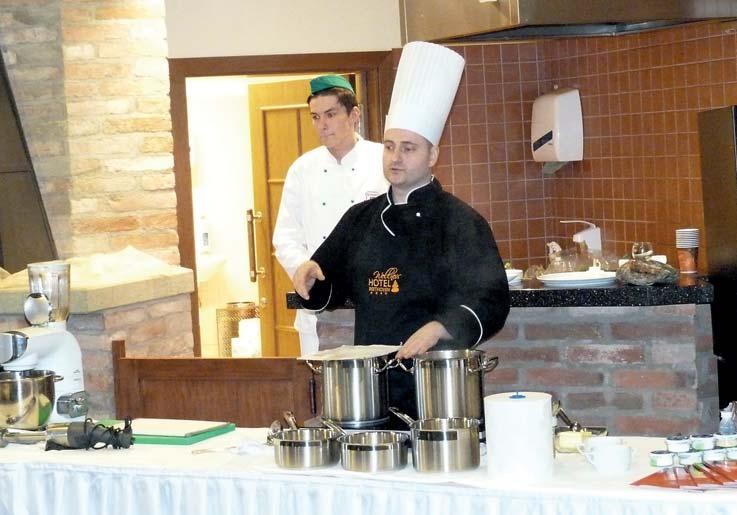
[{"x": 519, "y": 436}]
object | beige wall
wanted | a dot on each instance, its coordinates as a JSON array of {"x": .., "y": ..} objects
[{"x": 247, "y": 27}]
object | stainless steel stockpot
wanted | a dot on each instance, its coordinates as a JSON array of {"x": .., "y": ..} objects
[
  {"x": 450, "y": 383},
  {"x": 305, "y": 448},
  {"x": 444, "y": 444},
  {"x": 27, "y": 398},
  {"x": 354, "y": 390}
]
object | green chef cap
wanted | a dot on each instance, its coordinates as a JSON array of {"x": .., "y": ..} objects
[{"x": 329, "y": 81}]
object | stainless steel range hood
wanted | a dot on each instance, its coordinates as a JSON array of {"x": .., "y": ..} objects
[{"x": 482, "y": 20}]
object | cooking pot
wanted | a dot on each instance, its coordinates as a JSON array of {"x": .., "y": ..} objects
[
  {"x": 443, "y": 444},
  {"x": 305, "y": 448},
  {"x": 354, "y": 391},
  {"x": 371, "y": 451},
  {"x": 450, "y": 383},
  {"x": 27, "y": 398}
]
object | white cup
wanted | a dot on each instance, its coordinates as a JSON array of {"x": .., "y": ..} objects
[
  {"x": 598, "y": 441},
  {"x": 611, "y": 458}
]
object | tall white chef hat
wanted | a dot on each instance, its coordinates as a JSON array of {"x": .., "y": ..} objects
[{"x": 424, "y": 89}]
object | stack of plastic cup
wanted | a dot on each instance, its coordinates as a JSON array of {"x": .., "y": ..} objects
[{"x": 687, "y": 247}]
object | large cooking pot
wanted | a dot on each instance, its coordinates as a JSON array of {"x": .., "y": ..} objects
[
  {"x": 450, "y": 383},
  {"x": 354, "y": 391},
  {"x": 443, "y": 444},
  {"x": 26, "y": 398}
]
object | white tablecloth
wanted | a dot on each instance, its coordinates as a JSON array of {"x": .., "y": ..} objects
[{"x": 161, "y": 480}]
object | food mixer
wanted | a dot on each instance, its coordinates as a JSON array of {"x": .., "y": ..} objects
[{"x": 45, "y": 345}]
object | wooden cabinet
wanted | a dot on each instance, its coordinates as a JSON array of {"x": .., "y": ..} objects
[{"x": 251, "y": 392}]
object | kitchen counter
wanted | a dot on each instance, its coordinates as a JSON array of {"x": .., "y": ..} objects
[
  {"x": 163, "y": 480},
  {"x": 534, "y": 294},
  {"x": 109, "y": 294}
]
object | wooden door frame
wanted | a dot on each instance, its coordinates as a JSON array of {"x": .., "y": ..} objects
[{"x": 377, "y": 67}]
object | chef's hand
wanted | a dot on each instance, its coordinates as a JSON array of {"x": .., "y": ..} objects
[
  {"x": 423, "y": 340},
  {"x": 305, "y": 276}
]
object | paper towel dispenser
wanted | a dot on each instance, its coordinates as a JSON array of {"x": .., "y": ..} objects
[{"x": 557, "y": 128}]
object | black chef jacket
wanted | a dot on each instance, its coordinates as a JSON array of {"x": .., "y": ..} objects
[{"x": 404, "y": 265}]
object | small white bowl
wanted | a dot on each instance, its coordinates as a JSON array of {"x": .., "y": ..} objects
[{"x": 513, "y": 274}]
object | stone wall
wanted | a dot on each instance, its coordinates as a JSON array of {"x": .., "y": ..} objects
[
  {"x": 91, "y": 82},
  {"x": 636, "y": 370},
  {"x": 160, "y": 327}
]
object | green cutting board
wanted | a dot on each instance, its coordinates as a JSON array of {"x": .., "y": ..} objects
[{"x": 164, "y": 439}]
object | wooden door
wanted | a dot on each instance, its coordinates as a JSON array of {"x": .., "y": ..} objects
[{"x": 281, "y": 131}]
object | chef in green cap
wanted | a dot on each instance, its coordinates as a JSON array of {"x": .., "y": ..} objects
[{"x": 323, "y": 183}]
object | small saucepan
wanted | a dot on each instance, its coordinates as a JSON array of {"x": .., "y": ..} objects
[
  {"x": 305, "y": 448},
  {"x": 371, "y": 451},
  {"x": 443, "y": 444}
]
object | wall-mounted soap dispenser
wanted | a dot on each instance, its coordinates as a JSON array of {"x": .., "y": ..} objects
[
  {"x": 591, "y": 236},
  {"x": 557, "y": 129}
]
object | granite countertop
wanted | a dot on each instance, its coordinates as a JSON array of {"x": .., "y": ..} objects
[{"x": 533, "y": 294}]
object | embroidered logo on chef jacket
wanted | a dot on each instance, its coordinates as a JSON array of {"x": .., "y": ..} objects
[{"x": 384, "y": 283}]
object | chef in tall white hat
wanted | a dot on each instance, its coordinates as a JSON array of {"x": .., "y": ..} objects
[{"x": 421, "y": 266}]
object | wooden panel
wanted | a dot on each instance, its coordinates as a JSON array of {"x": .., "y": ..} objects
[
  {"x": 183, "y": 190},
  {"x": 281, "y": 143},
  {"x": 248, "y": 392},
  {"x": 308, "y": 138}
]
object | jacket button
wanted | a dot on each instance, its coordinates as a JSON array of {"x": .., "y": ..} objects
[
  {"x": 418, "y": 214},
  {"x": 323, "y": 203},
  {"x": 325, "y": 171}
]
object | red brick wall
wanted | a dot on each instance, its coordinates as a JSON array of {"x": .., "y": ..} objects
[
  {"x": 636, "y": 370},
  {"x": 640, "y": 178}
]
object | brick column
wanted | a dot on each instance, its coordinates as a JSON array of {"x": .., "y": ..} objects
[{"x": 91, "y": 80}]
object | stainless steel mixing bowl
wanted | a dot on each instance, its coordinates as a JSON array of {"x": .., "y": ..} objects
[{"x": 26, "y": 398}]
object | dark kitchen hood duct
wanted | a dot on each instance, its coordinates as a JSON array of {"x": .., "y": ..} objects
[{"x": 486, "y": 20}]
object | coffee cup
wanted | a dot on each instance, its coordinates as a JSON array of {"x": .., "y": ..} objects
[{"x": 610, "y": 459}]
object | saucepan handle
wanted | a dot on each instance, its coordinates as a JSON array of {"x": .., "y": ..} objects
[
  {"x": 405, "y": 418},
  {"x": 291, "y": 421},
  {"x": 317, "y": 369},
  {"x": 486, "y": 365},
  {"x": 330, "y": 424}
]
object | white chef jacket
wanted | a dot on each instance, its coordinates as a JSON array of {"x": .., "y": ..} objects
[{"x": 317, "y": 192}]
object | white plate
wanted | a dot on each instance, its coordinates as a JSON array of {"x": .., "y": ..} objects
[
  {"x": 514, "y": 275},
  {"x": 578, "y": 279}
]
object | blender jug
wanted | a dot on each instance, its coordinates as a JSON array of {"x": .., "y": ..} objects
[{"x": 51, "y": 278}]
